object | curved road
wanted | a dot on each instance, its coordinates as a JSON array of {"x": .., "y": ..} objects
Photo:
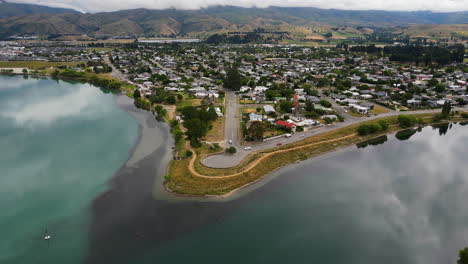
[{"x": 230, "y": 160}]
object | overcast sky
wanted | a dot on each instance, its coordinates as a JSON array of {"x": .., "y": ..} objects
[{"x": 111, "y": 5}]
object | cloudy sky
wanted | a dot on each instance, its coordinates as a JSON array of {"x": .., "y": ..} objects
[{"x": 111, "y": 5}]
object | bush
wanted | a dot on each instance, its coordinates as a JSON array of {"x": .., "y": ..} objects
[
  {"x": 328, "y": 120},
  {"x": 312, "y": 115},
  {"x": 173, "y": 123},
  {"x": 171, "y": 99},
  {"x": 231, "y": 150},
  {"x": 464, "y": 115},
  {"x": 438, "y": 117},
  {"x": 188, "y": 153},
  {"x": 325, "y": 103},
  {"x": 384, "y": 124},
  {"x": 195, "y": 143},
  {"x": 178, "y": 135},
  {"x": 366, "y": 129},
  {"x": 215, "y": 146},
  {"x": 407, "y": 121}
]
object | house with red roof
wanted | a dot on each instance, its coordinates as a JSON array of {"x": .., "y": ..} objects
[{"x": 287, "y": 125}]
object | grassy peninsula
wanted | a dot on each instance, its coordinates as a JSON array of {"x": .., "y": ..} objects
[{"x": 191, "y": 177}]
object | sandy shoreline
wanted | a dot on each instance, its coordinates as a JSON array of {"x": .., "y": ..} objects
[{"x": 153, "y": 136}]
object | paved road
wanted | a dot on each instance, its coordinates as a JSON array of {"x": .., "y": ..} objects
[
  {"x": 226, "y": 161},
  {"x": 231, "y": 132},
  {"x": 115, "y": 72}
]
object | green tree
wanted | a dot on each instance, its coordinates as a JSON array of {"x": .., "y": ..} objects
[
  {"x": 286, "y": 106},
  {"x": 212, "y": 113},
  {"x": 384, "y": 124},
  {"x": 407, "y": 121},
  {"x": 446, "y": 109},
  {"x": 325, "y": 103},
  {"x": 232, "y": 80},
  {"x": 463, "y": 256},
  {"x": 439, "y": 88},
  {"x": 231, "y": 150},
  {"x": 432, "y": 82},
  {"x": 171, "y": 99},
  {"x": 256, "y": 130},
  {"x": 195, "y": 128},
  {"x": 190, "y": 112},
  {"x": 136, "y": 94}
]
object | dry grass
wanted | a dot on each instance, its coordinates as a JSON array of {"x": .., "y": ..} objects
[
  {"x": 351, "y": 113},
  {"x": 379, "y": 110},
  {"x": 216, "y": 133},
  {"x": 247, "y": 110},
  {"x": 189, "y": 102},
  {"x": 36, "y": 65}
]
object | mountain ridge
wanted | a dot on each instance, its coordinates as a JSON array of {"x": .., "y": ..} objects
[
  {"x": 9, "y": 9},
  {"x": 216, "y": 19}
]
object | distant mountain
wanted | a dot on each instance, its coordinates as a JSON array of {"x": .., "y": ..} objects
[
  {"x": 8, "y": 9},
  {"x": 218, "y": 19}
]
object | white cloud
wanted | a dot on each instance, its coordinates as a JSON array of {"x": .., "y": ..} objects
[
  {"x": 81, "y": 102},
  {"x": 395, "y": 5}
]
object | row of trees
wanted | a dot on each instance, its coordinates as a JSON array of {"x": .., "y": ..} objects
[
  {"x": 110, "y": 84},
  {"x": 419, "y": 54}
]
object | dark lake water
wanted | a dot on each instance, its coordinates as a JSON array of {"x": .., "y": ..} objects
[
  {"x": 394, "y": 201},
  {"x": 402, "y": 201}
]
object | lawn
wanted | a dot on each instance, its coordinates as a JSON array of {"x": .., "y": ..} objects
[{"x": 37, "y": 65}]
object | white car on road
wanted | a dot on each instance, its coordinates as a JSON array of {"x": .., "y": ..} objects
[{"x": 248, "y": 148}]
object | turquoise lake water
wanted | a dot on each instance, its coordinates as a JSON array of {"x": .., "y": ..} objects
[{"x": 61, "y": 143}]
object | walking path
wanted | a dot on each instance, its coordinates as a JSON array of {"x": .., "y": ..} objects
[{"x": 253, "y": 164}]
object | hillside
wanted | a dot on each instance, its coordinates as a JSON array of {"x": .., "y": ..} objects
[
  {"x": 301, "y": 22},
  {"x": 12, "y": 9},
  {"x": 435, "y": 31}
]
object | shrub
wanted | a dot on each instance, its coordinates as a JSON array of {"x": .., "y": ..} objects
[
  {"x": 464, "y": 115},
  {"x": 366, "y": 129},
  {"x": 311, "y": 115},
  {"x": 178, "y": 135},
  {"x": 188, "y": 153},
  {"x": 231, "y": 150},
  {"x": 195, "y": 143},
  {"x": 407, "y": 121},
  {"x": 384, "y": 124},
  {"x": 216, "y": 146},
  {"x": 325, "y": 103}
]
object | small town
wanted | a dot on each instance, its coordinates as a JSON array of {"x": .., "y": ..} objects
[
  {"x": 205, "y": 132},
  {"x": 256, "y": 95}
]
